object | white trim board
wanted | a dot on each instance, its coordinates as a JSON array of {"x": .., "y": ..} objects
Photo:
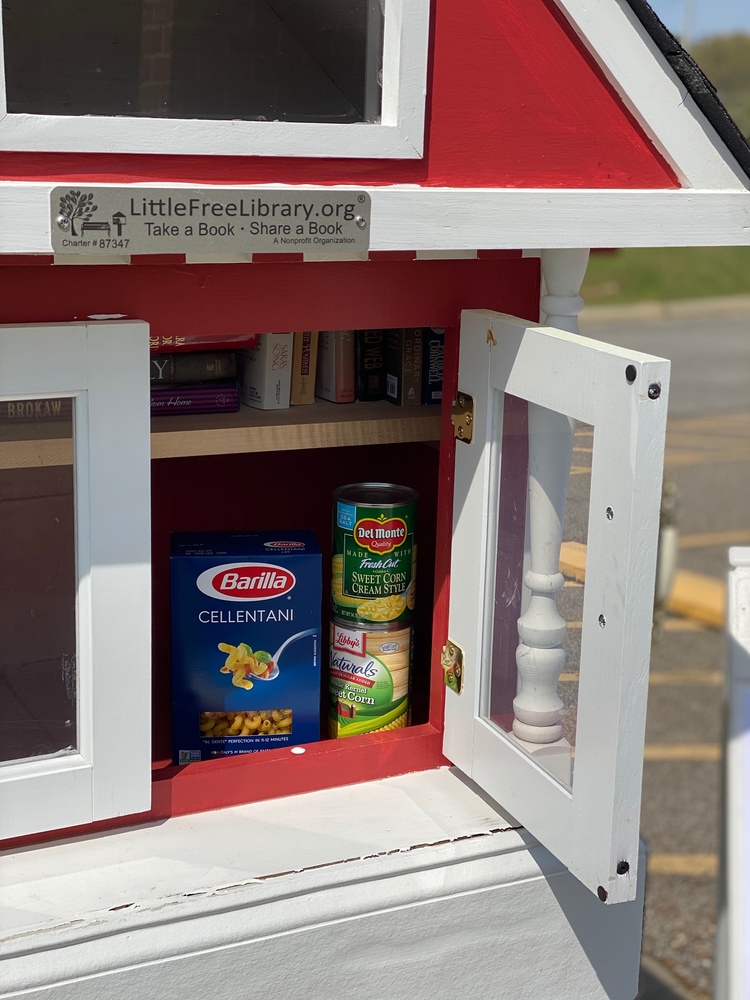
[
  {"x": 653, "y": 93},
  {"x": 413, "y": 218}
]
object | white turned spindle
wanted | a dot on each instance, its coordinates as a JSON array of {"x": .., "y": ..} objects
[{"x": 540, "y": 656}]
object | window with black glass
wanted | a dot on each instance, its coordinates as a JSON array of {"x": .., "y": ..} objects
[{"x": 250, "y": 60}]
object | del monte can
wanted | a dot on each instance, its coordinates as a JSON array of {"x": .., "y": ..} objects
[{"x": 374, "y": 552}]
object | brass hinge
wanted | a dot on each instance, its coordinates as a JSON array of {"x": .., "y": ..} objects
[
  {"x": 453, "y": 665},
  {"x": 462, "y": 417}
]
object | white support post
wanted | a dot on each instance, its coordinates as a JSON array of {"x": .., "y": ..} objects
[{"x": 540, "y": 656}]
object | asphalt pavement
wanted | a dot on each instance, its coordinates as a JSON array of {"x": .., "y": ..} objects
[{"x": 708, "y": 458}]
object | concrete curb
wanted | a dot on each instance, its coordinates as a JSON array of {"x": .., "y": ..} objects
[{"x": 709, "y": 308}]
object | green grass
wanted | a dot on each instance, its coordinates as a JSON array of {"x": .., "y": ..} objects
[{"x": 661, "y": 274}]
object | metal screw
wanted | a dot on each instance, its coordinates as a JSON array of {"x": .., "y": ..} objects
[
  {"x": 623, "y": 868},
  {"x": 460, "y": 432},
  {"x": 467, "y": 418},
  {"x": 63, "y": 221},
  {"x": 361, "y": 221},
  {"x": 602, "y": 893},
  {"x": 602, "y": 620},
  {"x": 654, "y": 390},
  {"x": 461, "y": 401},
  {"x": 610, "y": 514}
]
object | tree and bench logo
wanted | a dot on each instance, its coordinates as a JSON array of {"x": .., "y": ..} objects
[{"x": 78, "y": 205}]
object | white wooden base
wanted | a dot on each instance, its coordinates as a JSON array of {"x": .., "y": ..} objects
[
  {"x": 407, "y": 887},
  {"x": 556, "y": 757}
]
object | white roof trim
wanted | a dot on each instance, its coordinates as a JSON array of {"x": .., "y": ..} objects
[{"x": 653, "y": 93}]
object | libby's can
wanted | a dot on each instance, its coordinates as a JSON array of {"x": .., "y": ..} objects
[
  {"x": 374, "y": 552},
  {"x": 368, "y": 678}
]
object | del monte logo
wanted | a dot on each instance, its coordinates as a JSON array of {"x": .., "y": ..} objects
[
  {"x": 245, "y": 582},
  {"x": 380, "y": 535}
]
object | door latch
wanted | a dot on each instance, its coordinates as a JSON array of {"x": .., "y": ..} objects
[
  {"x": 462, "y": 417},
  {"x": 453, "y": 666}
]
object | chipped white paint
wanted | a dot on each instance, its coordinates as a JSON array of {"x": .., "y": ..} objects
[{"x": 416, "y": 877}]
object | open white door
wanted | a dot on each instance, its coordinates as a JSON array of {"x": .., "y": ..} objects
[{"x": 566, "y": 454}]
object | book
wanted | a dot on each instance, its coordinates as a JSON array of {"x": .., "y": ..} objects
[
  {"x": 194, "y": 366},
  {"x": 196, "y": 397},
  {"x": 432, "y": 365},
  {"x": 369, "y": 365},
  {"x": 304, "y": 366},
  {"x": 335, "y": 376},
  {"x": 403, "y": 364},
  {"x": 265, "y": 372},
  {"x": 167, "y": 343}
]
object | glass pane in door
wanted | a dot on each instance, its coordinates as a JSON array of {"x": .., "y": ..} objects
[
  {"x": 538, "y": 595},
  {"x": 37, "y": 579}
]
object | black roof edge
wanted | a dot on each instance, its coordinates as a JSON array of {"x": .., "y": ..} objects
[{"x": 697, "y": 83}]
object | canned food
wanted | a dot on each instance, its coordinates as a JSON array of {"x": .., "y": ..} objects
[
  {"x": 368, "y": 681},
  {"x": 374, "y": 552}
]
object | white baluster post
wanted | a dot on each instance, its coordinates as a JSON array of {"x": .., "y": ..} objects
[{"x": 540, "y": 656}]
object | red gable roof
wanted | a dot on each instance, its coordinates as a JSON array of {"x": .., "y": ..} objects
[{"x": 514, "y": 100}]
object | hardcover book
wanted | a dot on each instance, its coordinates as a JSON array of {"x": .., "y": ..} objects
[
  {"x": 265, "y": 372},
  {"x": 194, "y": 366},
  {"x": 304, "y": 366},
  {"x": 335, "y": 376},
  {"x": 198, "y": 397},
  {"x": 432, "y": 365},
  {"x": 403, "y": 360},
  {"x": 169, "y": 343},
  {"x": 370, "y": 365}
]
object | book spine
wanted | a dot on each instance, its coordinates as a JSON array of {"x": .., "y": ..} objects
[
  {"x": 179, "y": 343},
  {"x": 196, "y": 366},
  {"x": 370, "y": 365},
  {"x": 218, "y": 397},
  {"x": 304, "y": 366},
  {"x": 265, "y": 372},
  {"x": 403, "y": 379},
  {"x": 432, "y": 365},
  {"x": 335, "y": 376}
]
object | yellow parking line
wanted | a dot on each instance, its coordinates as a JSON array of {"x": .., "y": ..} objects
[
  {"x": 696, "y": 752},
  {"x": 666, "y": 678},
  {"x": 681, "y": 625},
  {"x": 709, "y": 538},
  {"x": 675, "y": 459},
  {"x": 690, "y": 865}
]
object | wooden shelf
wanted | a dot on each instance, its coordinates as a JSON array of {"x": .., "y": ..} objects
[
  {"x": 319, "y": 425},
  {"x": 29, "y": 446}
]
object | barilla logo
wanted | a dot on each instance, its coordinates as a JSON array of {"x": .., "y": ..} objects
[
  {"x": 347, "y": 641},
  {"x": 245, "y": 582},
  {"x": 283, "y": 545},
  {"x": 380, "y": 536}
]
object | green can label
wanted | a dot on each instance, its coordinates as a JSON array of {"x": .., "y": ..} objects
[
  {"x": 368, "y": 680},
  {"x": 374, "y": 562}
]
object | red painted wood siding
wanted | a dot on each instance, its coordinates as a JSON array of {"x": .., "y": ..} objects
[{"x": 514, "y": 100}]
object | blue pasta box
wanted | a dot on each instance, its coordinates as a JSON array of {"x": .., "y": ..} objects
[{"x": 246, "y": 642}]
